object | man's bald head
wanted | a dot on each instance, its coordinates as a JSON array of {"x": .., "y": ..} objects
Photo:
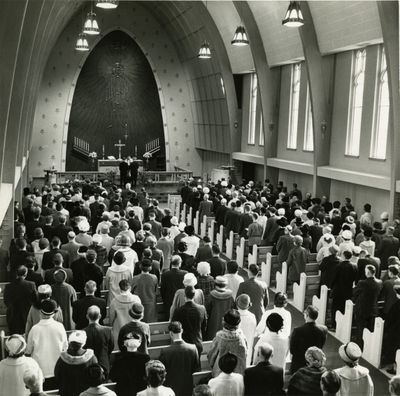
[
  {"x": 93, "y": 313},
  {"x": 265, "y": 350}
]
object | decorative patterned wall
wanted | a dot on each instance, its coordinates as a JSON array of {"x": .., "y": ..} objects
[
  {"x": 116, "y": 98},
  {"x": 51, "y": 124}
]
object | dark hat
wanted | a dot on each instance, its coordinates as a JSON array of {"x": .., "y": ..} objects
[
  {"x": 48, "y": 307},
  {"x": 60, "y": 276},
  {"x": 232, "y": 318},
  {"x": 136, "y": 311}
]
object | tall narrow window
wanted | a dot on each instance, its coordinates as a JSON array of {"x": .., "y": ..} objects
[
  {"x": 294, "y": 106},
  {"x": 252, "y": 109},
  {"x": 356, "y": 104},
  {"x": 261, "y": 139},
  {"x": 381, "y": 110},
  {"x": 308, "y": 144}
]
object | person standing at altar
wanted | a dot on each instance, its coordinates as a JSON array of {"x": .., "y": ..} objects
[
  {"x": 123, "y": 172},
  {"x": 134, "y": 166}
]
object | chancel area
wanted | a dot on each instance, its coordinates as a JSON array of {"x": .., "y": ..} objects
[{"x": 199, "y": 198}]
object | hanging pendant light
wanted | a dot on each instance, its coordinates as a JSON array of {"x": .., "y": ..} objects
[
  {"x": 107, "y": 4},
  {"x": 91, "y": 26},
  {"x": 82, "y": 43},
  {"x": 294, "y": 16},
  {"x": 240, "y": 38},
  {"x": 204, "y": 51}
]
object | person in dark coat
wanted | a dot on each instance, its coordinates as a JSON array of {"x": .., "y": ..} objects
[
  {"x": 232, "y": 220},
  {"x": 80, "y": 307},
  {"x": 18, "y": 255},
  {"x": 62, "y": 230},
  {"x": 47, "y": 261},
  {"x": 32, "y": 276},
  {"x": 134, "y": 166},
  {"x": 217, "y": 264},
  {"x": 285, "y": 244},
  {"x": 78, "y": 270},
  {"x": 328, "y": 266},
  {"x": 136, "y": 326},
  {"x": 245, "y": 220},
  {"x": 388, "y": 295},
  {"x": 128, "y": 370},
  {"x": 297, "y": 260},
  {"x": 99, "y": 338},
  {"x": 264, "y": 379},
  {"x": 257, "y": 291},
  {"x": 181, "y": 360},
  {"x": 342, "y": 285},
  {"x": 220, "y": 213},
  {"x": 365, "y": 297},
  {"x": 57, "y": 264},
  {"x": 204, "y": 252},
  {"x": 305, "y": 336},
  {"x": 92, "y": 271},
  {"x": 220, "y": 301},
  {"x": 391, "y": 335},
  {"x": 389, "y": 246},
  {"x": 193, "y": 318},
  {"x": 171, "y": 281},
  {"x": 123, "y": 172},
  {"x": 19, "y": 295},
  {"x": 70, "y": 368}
]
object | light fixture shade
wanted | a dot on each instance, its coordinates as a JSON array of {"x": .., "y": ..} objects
[
  {"x": 82, "y": 43},
  {"x": 240, "y": 38},
  {"x": 107, "y": 4},
  {"x": 294, "y": 16},
  {"x": 204, "y": 51},
  {"x": 91, "y": 26}
]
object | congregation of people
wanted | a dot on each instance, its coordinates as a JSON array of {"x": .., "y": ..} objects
[{"x": 90, "y": 264}]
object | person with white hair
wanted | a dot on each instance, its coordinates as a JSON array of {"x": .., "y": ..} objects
[
  {"x": 174, "y": 229},
  {"x": 285, "y": 244},
  {"x": 13, "y": 367},
  {"x": 33, "y": 381},
  {"x": 124, "y": 226},
  {"x": 347, "y": 244},
  {"x": 83, "y": 226},
  {"x": 105, "y": 222},
  {"x": 205, "y": 281},
  {"x": 205, "y": 207}
]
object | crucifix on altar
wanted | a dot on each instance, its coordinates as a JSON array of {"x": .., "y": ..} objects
[{"x": 119, "y": 145}]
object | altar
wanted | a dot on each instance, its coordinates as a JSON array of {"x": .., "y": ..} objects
[{"x": 108, "y": 165}]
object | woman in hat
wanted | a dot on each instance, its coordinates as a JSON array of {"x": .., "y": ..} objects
[
  {"x": 44, "y": 293},
  {"x": 307, "y": 380},
  {"x": 221, "y": 300},
  {"x": 128, "y": 371},
  {"x": 229, "y": 339},
  {"x": 274, "y": 336},
  {"x": 179, "y": 299},
  {"x": 205, "y": 281},
  {"x": 155, "y": 375},
  {"x": 70, "y": 368},
  {"x": 355, "y": 379},
  {"x": 13, "y": 367}
]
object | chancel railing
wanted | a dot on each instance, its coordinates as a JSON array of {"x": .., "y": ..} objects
[
  {"x": 81, "y": 147},
  {"x": 153, "y": 146}
]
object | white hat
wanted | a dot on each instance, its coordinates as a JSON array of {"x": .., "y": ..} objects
[
  {"x": 298, "y": 213},
  {"x": 281, "y": 212},
  {"x": 181, "y": 226},
  {"x": 44, "y": 289},
  {"x": 224, "y": 183},
  {"x": 347, "y": 235},
  {"x": 15, "y": 344},
  {"x": 174, "y": 220},
  {"x": 350, "y": 352},
  {"x": 97, "y": 238},
  {"x": 206, "y": 190},
  {"x": 384, "y": 216},
  {"x": 78, "y": 336},
  {"x": 189, "y": 279}
]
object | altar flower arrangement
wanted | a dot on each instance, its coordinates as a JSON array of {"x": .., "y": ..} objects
[
  {"x": 93, "y": 155},
  {"x": 147, "y": 155}
]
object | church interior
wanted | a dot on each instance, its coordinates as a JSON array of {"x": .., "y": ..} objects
[{"x": 262, "y": 91}]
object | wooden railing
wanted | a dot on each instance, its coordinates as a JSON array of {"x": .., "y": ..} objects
[{"x": 166, "y": 177}]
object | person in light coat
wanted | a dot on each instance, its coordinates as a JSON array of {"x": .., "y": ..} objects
[
  {"x": 355, "y": 379},
  {"x": 248, "y": 323}
]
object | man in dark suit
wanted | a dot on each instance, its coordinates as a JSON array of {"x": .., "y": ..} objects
[
  {"x": 171, "y": 281},
  {"x": 61, "y": 230},
  {"x": 47, "y": 262},
  {"x": 80, "y": 307},
  {"x": 220, "y": 214},
  {"x": 181, "y": 360},
  {"x": 99, "y": 338},
  {"x": 232, "y": 220},
  {"x": 217, "y": 264},
  {"x": 204, "y": 252},
  {"x": 245, "y": 220},
  {"x": 365, "y": 297},
  {"x": 305, "y": 336},
  {"x": 71, "y": 247},
  {"x": 389, "y": 246},
  {"x": 19, "y": 295},
  {"x": 32, "y": 276},
  {"x": 193, "y": 318},
  {"x": 264, "y": 379},
  {"x": 123, "y": 172},
  {"x": 156, "y": 227},
  {"x": 58, "y": 264},
  {"x": 342, "y": 285},
  {"x": 36, "y": 222},
  {"x": 18, "y": 256}
]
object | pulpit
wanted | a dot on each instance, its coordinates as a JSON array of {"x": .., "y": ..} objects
[{"x": 50, "y": 176}]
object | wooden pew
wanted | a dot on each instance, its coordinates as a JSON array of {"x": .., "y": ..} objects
[
  {"x": 321, "y": 303},
  {"x": 373, "y": 343},
  {"x": 308, "y": 286},
  {"x": 220, "y": 237},
  {"x": 159, "y": 333},
  {"x": 201, "y": 377},
  {"x": 196, "y": 222},
  {"x": 398, "y": 362},
  {"x": 281, "y": 279},
  {"x": 240, "y": 252},
  {"x": 259, "y": 254},
  {"x": 344, "y": 323},
  {"x": 183, "y": 214},
  {"x": 266, "y": 272},
  {"x": 110, "y": 385},
  {"x": 211, "y": 230},
  {"x": 189, "y": 217},
  {"x": 2, "y": 344},
  {"x": 229, "y": 246},
  {"x": 174, "y": 202}
]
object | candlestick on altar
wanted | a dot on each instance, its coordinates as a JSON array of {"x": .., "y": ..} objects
[
  {"x": 136, "y": 151},
  {"x": 104, "y": 156}
]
